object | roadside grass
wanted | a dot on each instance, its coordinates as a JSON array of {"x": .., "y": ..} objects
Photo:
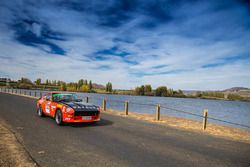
[
  {"x": 190, "y": 125},
  {"x": 12, "y": 153}
]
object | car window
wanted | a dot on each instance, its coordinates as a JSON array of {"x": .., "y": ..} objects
[
  {"x": 64, "y": 97},
  {"x": 47, "y": 97}
]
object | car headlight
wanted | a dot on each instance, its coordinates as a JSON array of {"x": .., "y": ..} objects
[{"x": 69, "y": 109}]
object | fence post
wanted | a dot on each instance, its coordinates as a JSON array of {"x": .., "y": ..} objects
[
  {"x": 30, "y": 93},
  {"x": 126, "y": 107},
  {"x": 104, "y": 104},
  {"x": 12, "y": 91},
  {"x": 158, "y": 114},
  {"x": 35, "y": 93},
  {"x": 205, "y": 118},
  {"x": 41, "y": 95},
  {"x": 87, "y": 99},
  {"x": 25, "y": 92}
]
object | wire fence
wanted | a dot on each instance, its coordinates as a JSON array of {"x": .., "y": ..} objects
[
  {"x": 182, "y": 111},
  {"x": 105, "y": 101}
]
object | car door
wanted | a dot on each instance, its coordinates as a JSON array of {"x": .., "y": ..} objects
[
  {"x": 47, "y": 104},
  {"x": 53, "y": 106}
]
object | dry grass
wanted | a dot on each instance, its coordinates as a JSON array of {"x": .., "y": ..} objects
[
  {"x": 12, "y": 154},
  {"x": 196, "y": 126}
]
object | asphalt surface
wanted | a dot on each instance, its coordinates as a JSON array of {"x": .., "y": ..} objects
[{"x": 115, "y": 141}]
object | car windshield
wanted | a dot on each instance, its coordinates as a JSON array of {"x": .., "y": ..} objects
[{"x": 58, "y": 97}]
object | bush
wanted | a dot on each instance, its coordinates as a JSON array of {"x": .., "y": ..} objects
[
  {"x": 24, "y": 86},
  {"x": 84, "y": 88},
  {"x": 234, "y": 97}
]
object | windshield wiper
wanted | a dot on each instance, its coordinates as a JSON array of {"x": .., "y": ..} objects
[{"x": 62, "y": 100}]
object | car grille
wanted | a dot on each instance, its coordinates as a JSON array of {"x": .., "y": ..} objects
[{"x": 86, "y": 113}]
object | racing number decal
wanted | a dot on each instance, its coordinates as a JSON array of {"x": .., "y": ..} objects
[{"x": 47, "y": 109}]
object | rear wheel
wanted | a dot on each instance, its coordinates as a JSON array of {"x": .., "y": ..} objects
[
  {"x": 40, "y": 112},
  {"x": 58, "y": 117}
]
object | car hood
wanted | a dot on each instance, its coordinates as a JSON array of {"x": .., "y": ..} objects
[{"x": 80, "y": 106}]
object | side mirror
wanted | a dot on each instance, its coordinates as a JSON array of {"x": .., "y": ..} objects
[{"x": 47, "y": 98}]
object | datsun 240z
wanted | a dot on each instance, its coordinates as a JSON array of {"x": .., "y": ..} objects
[{"x": 67, "y": 107}]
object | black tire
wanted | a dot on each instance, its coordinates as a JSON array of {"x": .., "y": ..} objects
[
  {"x": 59, "y": 117},
  {"x": 40, "y": 112}
]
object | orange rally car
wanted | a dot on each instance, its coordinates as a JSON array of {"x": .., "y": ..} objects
[{"x": 67, "y": 107}]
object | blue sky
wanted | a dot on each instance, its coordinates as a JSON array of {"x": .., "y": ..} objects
[{"x": 181, "y": 44}]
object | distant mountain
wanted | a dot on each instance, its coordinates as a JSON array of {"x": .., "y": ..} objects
[
  {"x": 98, "y": 86},
  {"x": 244, "y": 92},
  {"x": 236, "y": 89}
]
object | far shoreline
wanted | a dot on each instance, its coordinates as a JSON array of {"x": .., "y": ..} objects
[{"x": 109, "y": 93}]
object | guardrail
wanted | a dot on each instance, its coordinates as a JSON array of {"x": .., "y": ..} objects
[{"x": 126, "y": 103}]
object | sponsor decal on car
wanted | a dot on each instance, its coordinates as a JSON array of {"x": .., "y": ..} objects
[
  {"x": 47, "y": 110},
  {"x": 59, "y": 105}
]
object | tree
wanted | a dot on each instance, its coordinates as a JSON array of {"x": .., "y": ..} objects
[
  {"x": 85, "y": 82},
  {"x": 109, "y": 87},
  {"x": 178, "y": 93},
  {"x": 90, "y": 85},
  {"x": 38, "y": 81},
  {"x": 161, "y": 91},
  {"x": 84, "y": 88},
  {"x": 137, "y": 90},
  {"x": 148, "y": 90},
  {"x": 142, "y": 90},
  {"x": 80, "y": 83},
  {"x": 170, "y": 92},
  {"x": 54, "y": 82},
  {"x": 63, "y": 86},
  {"x": 25, "y": 83}
]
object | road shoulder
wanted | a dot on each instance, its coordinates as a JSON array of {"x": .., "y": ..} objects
[{"x": 12, "y": 153}]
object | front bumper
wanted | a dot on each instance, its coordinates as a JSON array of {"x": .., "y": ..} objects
[{"x": 81, "y": 119}]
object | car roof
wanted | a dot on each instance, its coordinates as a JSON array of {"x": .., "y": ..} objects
[{"x": 52, "y": 93}]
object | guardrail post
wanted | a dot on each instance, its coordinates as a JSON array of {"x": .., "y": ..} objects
[
  {"x": 12, "y": 91},
  {"x": 87, "y": 99},
  {"x": 104, "y": 104},
  {"x": 35, "y": 93},
  {"x": 25, "y": 92},
  {"x": 126, "y": 107},
  {"x": 158, "y": 114},
  {"x": 205, "y": 119},
  {"x": 30, "y": 93}
]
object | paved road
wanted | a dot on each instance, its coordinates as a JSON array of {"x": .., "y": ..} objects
[{"x": 115, "y": 141}]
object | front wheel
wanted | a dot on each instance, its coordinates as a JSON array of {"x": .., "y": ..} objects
[
  {"x": 40, "y": 112},
  {"x": 58, "y": 117}
]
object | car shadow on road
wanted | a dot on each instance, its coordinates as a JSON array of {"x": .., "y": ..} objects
[{"x": 102, "y": 122}]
